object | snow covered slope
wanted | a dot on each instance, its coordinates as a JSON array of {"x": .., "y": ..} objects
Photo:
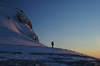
[
  {"x": 16, "y": 28},
  {"x": 19, "y": 55}
]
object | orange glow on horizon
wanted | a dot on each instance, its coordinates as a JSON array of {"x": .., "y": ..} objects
[{"x": 93, "y": 54}]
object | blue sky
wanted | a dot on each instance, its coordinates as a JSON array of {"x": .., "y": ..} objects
[{"x": 71, "y": 24}]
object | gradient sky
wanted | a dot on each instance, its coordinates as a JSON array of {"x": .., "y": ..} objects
[{"x": 71, "y": 24}]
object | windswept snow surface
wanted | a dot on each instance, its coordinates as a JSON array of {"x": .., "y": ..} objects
[{"x": 20, "y": 55}]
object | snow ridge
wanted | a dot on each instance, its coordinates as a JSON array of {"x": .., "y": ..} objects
[{"x": 15, "y": 27}]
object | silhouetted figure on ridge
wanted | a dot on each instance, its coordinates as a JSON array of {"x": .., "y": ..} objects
[{"x": 52, "y": 43}]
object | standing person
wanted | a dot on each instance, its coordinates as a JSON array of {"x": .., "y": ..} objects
[{"x": 52, "y": 43}]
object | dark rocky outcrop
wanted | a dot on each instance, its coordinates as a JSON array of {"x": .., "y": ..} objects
[{"x": 22, "y": 18}]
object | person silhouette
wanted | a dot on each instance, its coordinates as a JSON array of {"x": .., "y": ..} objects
[{"x": 52, "y": 43}]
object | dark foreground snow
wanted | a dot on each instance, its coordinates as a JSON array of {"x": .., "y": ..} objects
[{"x": 19, "y": 55}]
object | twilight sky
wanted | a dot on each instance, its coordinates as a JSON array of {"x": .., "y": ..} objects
[{"x": 71, "y": 24}]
